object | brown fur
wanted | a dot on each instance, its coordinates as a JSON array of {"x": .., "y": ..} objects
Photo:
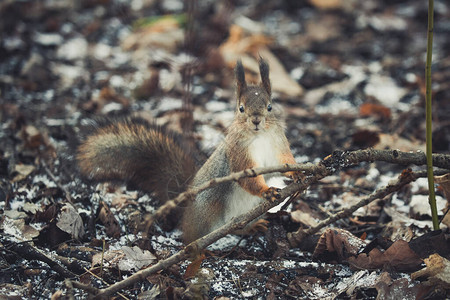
[
  {"x": 154, "y": 160},
  {"x": 144, "y": 156},
  {"x": 209, "y": 209}
]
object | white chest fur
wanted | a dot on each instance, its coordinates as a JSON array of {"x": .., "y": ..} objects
[{"x": 264, "y": 152}]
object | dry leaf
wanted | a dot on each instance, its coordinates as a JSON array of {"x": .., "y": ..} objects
[
  {"x": 31, "y": 207},
  {"x": 135, "y": 259},
  {"x": 151, "y": 294},
  {"x": 18, "y": 229},
  {"x": 164, "y": 33},
  {"x": 193, "y": 267},
  {"x": 394, "y": 141},
  {"x": 398, "y": 256},
  {"x": 126, "y": 259},
  {"x": 70, "y": 221},
  {"x": 22, "y": 171},
  {"x": 109, "y": 221},
  {"x": 396, "y": 289},
  {"x": 32, "y": 136},
  {"x": 373, "y": 109},
  {"x": 248, "y": 48},
  {"x": 110, "y": 258},
  {"x": 365, "y": 138},
  {"x": 340, "y": 241},
  {"x": 437, "y": 271},
  {"x": 304, "y": 218}
]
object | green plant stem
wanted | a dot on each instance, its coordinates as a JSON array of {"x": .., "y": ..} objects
[{"x": 432, "y": 197}]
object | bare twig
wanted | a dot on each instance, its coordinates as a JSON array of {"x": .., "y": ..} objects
[
  {"x": 318, "y": 171},
  {"x": 341, "y": 159},
  {"x": 406, "y": 177},
  {"x": 85, "y": 287},
  {"x": 307, "y": 168},
  {"x": 29, "y": 252}
]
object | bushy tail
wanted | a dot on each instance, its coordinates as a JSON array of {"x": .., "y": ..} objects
[{"x": 144, "y": 156}]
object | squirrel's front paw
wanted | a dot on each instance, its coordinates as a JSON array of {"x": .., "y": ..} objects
[{"x": 272, "y": 194}]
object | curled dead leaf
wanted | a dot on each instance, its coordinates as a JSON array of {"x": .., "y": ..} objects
[
  {"x": 70, "y": 221},
  {"x": 109, "y": 220},
  {"x": 194, "y": 266},
  {"x": 398, "y": 256},
  {"x": 340, "y": 241}
]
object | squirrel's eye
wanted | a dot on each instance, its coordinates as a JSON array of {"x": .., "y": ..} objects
[
  {"x": 269, "y": 107},
  {"x": 241, "y": 108}
]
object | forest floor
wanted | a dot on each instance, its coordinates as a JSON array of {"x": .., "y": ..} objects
[{"x": 348, "y": 74}]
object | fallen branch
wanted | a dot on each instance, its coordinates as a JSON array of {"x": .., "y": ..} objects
[
  {"x": 318, "y": 171},
  {"x": 341, "y": 159},
  {"x": 29, "y": 252},
  {"x": 406, "y": 177},
  {"x": 164, "y": 210},
  {"x": 201, "y": 243}
]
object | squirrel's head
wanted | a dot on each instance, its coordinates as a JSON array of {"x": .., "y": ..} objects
[{"x": 254, "y": 102}]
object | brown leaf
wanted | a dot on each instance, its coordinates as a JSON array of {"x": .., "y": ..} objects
[
  {"x": 365, "y": 138},
  {"x": 304, "y": 218},
  {"x": 32, "y": 137},
  {"x": 35, "y": 140},
  {"x": 394, "y": 141},
  {"x": 164, "y": 33},
  {"x": 373, "y": 109},
  {"x": 48, "y": 215},
  {"x": 248, "y": 47},
  {"x": 398, "y": 256},
  {"x": 396, "y": 289},
  {"x": 340, "y": 241},
  {"x": 109, "y": 220},
  {"x": 193, "y": 267}
]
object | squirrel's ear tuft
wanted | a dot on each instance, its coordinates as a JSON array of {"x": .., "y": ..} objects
[
  {"x": 240, "y": 78},
  {"x": 264, "y": 71}
]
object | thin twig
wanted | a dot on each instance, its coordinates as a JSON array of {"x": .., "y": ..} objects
[
  {"x": 341, "y": 159},
  {"x": 406, "y": 177},
  {"x": 27, "y": 251},
  {"x": 318, "y": 171}
]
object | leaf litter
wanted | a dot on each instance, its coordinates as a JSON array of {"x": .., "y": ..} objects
[{"x": 348, "y": 75}]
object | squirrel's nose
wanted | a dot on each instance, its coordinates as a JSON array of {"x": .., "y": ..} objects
[{"x": 256, "y": 121}]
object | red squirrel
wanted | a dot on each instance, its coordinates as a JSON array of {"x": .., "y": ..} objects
[{"x": 153, "y": 160}]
